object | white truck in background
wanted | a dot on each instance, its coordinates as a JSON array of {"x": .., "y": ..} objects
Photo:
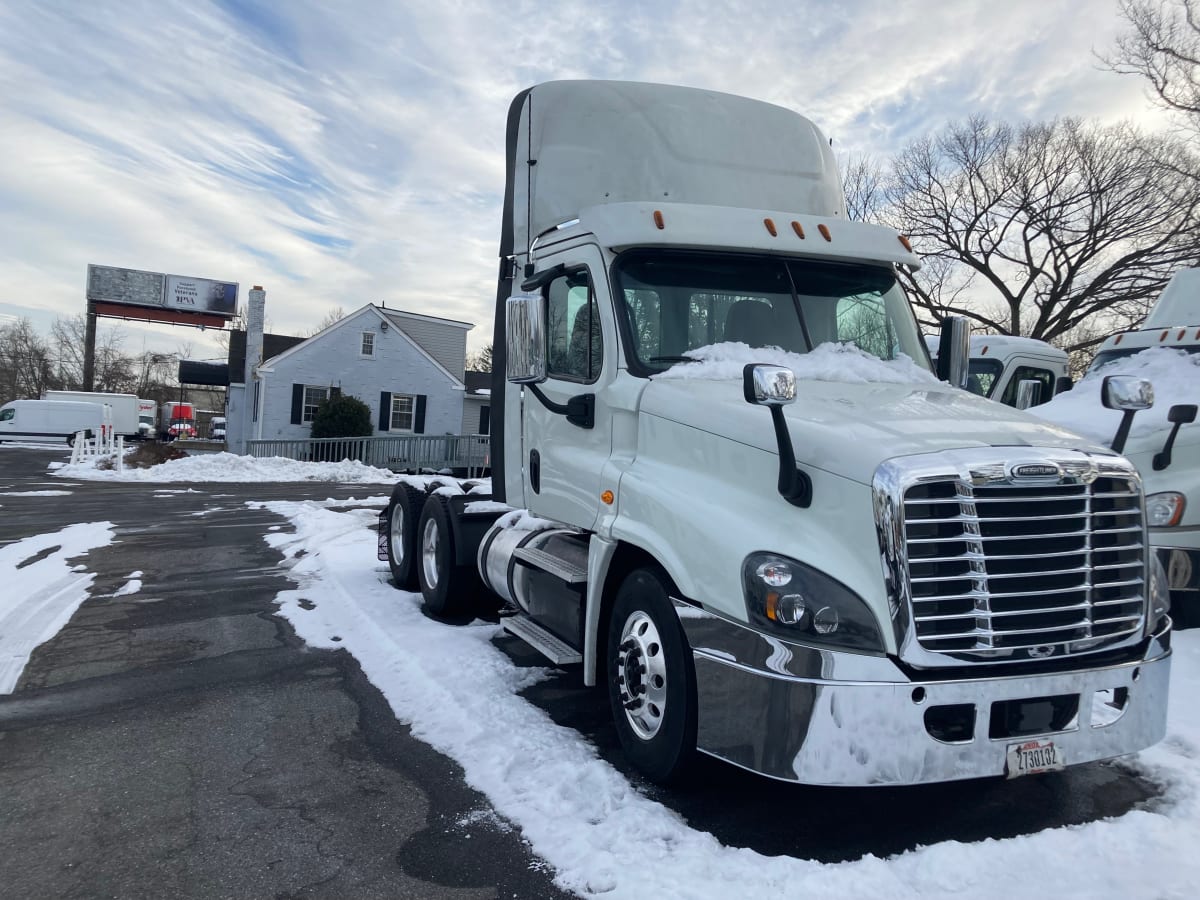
[
  {"x": 1164, "y": 444},
  {"x": 122, "y": 407},
  {"x": 728, "y": 488},
  {"x": 49, "y": 420},
  {"x": 1016, "y": 371},
  {"x": 146, "y": 427}
]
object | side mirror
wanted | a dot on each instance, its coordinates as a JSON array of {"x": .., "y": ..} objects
[
  {"x": 1029, "y": 393},
  {"x": 1179, "y": 414},
  {"x": 525, "y": 339},
  {"x": 775, "y": 387},
  {"x": 765, "y": 385},
  {"x": 1063, "y": 384},
  {"x": 1128, "y": 394},
  {"x": 954, "y": 351}
]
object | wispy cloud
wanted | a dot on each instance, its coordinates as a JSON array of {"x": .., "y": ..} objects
[{"x": 339, "y": 155}]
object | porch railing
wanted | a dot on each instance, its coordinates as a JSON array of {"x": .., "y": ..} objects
[{"x": 400, "y": 453}]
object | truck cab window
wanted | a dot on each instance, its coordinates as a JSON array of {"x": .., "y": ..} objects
[
  {"x": 982, "y": 375},
  {"x": 6, "y": 414},
  {"x": 575, "y": 345},
  {"x": 1029, "y": 373},
  {"x": 672, "y": 302}
]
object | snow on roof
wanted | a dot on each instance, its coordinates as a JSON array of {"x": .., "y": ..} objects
[
  {"x": 827, "y": 362},
  {"x": 1175, "y": 375}
]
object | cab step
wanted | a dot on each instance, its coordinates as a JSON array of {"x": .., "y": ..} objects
[
  {"x": 546, "y": 643},
  {"x": 555, "y": 565}
]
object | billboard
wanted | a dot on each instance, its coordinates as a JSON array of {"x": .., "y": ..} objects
[
  {"x": 157, "y": 297},
  {"x": 201, "y": 295}
]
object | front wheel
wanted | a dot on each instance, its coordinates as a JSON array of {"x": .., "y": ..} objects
[{"x": 651, "y": 678}]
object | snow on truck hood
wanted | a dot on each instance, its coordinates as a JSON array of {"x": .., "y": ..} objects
[{"x": 852, "y": 410}]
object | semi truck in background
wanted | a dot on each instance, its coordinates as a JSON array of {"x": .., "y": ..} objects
[
  {"x": 146, "y": 429},
  {"x": 1016, "y": 371},
  {"x": 727, "y": 487},
  {"x": 176, "y": 420},
  {"x": 1164, "y": 444}
]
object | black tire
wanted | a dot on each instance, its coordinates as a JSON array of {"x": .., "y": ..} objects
[
  {"x": 450, "y": 591},
  {"x": 403, "y": 517},
  {"x": 651, "y": 678}
]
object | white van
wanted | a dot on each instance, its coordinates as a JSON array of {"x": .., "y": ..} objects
[{"x": 48, "y": 420}]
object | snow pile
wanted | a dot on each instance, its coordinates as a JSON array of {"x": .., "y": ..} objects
[
  {"x": 230, "y": 467},
  {"x": 604, "y": 837},
  {"x": 41, "y": 592},
  {"x": 132, "y": 586},
  {"x": 827, "y": 362},
  {"x": 1174, "y": 373}
]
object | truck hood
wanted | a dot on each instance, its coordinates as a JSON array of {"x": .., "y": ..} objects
[{"x": 849, "y": 429}]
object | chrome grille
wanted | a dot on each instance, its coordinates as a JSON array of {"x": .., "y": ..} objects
[{"x": 1002, "y": 568}]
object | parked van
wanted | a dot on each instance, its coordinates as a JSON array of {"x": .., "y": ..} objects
[
  {"x": 123, "y": 408},
  {"x": 217, "y": 428},
  {"x": 49, "y": 420}
]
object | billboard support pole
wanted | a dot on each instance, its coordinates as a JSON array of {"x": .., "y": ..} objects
[{"x": 89, "y": 348}]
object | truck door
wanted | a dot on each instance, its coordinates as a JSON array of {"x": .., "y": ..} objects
[{"x": 563, "y": 461}]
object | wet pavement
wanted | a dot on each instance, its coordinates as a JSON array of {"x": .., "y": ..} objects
[{"x": 182, "y": 741}]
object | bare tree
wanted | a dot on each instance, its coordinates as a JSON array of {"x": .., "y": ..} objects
[
  {"x": 114, "y": 370},
  {"x": 1162, "y": 45},
  {"x": 25, "y": 362},
  {"x": 1045, "y": 226},
  {"x": 334, "y": 315},
  {"x": 481, "y": 360}
]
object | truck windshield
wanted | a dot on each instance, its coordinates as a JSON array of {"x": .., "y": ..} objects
[{"x": 675, "y": 301}]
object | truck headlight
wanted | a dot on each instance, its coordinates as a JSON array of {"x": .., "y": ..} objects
[
  {"x": 1165, "y": 509},
  {"x": 797, "y": 602}
]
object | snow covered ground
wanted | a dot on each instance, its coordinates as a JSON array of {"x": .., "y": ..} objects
[
  {"x": 604, "y": 837},
  {"x": 600, "y": 833}
]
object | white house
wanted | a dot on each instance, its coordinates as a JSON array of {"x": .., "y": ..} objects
[{"x": 408, "y": 368}]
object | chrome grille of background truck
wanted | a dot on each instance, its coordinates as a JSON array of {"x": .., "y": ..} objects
[{"x": 1029, "y": 558}]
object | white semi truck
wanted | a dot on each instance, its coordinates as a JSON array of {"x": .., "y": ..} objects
[
  {"x": 741, "y": 501},
  {"x": 1165, "y": 446}
]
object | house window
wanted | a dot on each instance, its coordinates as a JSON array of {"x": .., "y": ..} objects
[
  {"x": 403, "y": 407},
  {"x": 368, "y": 343},
  {"x": 313, "y": 397}
]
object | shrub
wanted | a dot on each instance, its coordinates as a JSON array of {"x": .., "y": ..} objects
[{"x": 342, "y": 416}]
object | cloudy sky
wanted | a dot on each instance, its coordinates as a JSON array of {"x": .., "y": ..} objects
[{"x": 340, "y": 154}]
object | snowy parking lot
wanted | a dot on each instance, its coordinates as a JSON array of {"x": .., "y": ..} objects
[{"x": 536, "y": 746}]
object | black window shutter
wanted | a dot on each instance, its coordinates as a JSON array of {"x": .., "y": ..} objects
[
  {"x": 485, "y": 419},
  {"x": 419, "y": 418},
  {"x": 334, "y": 392},
  {"x": 385, "y": 410},
  {"x": 297, "y": 404}
]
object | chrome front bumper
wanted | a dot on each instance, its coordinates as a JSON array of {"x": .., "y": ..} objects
[{"x": 817, "y": 717}]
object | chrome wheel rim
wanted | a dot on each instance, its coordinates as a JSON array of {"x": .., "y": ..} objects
[
  {"x": 429, "y": 547},
  {"x": 397, "y": 534},
  {"x": 642, "y": 675}
]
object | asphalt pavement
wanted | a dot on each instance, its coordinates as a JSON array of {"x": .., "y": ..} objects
[{"x": 182, "y": 741}]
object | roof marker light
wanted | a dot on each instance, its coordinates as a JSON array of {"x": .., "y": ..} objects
[
  {"x": 824, "y": 231},
  {"x": 798, "y": 228},
  {"x": 1118, "y": 340},
  {"x": 905, "y": 242},
  {"x": 770, "y": 227},
  {"x": 1163, "y": 336},
  {"x": 1182, "y": 332},
  {"x": 658, "y": 219}
]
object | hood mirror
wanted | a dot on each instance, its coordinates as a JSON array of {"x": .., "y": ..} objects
[{"x": 1128, "y": 394}]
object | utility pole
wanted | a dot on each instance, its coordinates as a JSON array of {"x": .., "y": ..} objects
[{"x": 89, "y": 348}]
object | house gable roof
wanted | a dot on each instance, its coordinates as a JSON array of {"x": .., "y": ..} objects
[{"x": 374, "y": 316}]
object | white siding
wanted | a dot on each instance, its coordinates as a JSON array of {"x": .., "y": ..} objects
[
  {"x": 445, "y": 343},
  {"x": 333, "y": 359}
]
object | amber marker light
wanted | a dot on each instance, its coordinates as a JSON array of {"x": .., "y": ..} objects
[
  {"x": 1118, "y": 340},
  {"x": 799, "y": 229},
  {"x": 824, "y": 229},
  {"x": 658, "y": 219},
  {"x": 608, "y": 498},
  {"x": 905, "y": 243},
  {"x": 770, "y": 227}
]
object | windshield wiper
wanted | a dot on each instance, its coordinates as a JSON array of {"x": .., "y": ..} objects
[{"x": 673, "y": 359}]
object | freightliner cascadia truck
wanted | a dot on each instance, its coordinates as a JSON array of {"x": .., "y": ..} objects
[{"x": 728, "y": 488}]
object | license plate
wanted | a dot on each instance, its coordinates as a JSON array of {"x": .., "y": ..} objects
[{"x": 1033, "y": 758}]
